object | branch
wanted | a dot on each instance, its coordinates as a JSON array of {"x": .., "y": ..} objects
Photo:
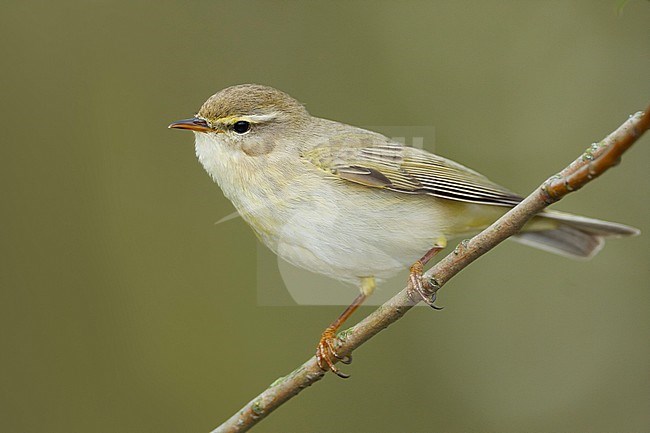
[{"x": 597, "y": 159}]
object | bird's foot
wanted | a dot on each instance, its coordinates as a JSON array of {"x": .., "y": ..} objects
[
  {"x": 422, "y": 288},
  {"x": 326, "y": 353}
]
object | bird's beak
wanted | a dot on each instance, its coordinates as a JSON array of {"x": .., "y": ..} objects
[{"x": 194, "y": 124}]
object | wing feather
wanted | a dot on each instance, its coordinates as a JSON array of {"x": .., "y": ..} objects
[{"x": 395, "y": 167}]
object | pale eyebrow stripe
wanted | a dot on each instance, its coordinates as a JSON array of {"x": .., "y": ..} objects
[
  {"x": 259, "y": 118},
  {"x": 252, "y": 118}
]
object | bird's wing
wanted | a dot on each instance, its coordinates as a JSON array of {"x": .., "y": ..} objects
[{"x": 408, "y": 170}]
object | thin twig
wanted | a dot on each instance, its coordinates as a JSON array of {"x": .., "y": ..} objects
[{"x": 597, "y": 159}]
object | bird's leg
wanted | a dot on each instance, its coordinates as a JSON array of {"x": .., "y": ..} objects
[
  {"x": 326, "y": 349},
  {"x": 425, "y": 289}
]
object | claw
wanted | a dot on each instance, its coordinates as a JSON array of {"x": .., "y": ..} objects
[
  {"x": 347, "y": 359},
  {"x": 426, "y": 289},
  {"x": 326, "y": 355},
  {"x": 432, "y": 304},
  {"x": 325, "y": 350},
  {"x": 332, "y": 350}
]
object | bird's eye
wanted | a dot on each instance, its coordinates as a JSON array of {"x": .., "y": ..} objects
[{"x": 241, "y": 126}]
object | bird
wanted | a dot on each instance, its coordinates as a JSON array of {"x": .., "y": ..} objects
[{"x": 352, "y": 204}]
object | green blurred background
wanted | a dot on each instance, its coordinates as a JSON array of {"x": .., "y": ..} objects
[{"x": 124, "y": 308}]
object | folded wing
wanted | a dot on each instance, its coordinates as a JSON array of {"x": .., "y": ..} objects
[{"x": 398, "y": 168}]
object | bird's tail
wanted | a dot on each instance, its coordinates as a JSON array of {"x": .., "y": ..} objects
[{"x": 570, "y": 235}]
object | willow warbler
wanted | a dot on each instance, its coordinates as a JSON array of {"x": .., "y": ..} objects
[{"x": 350, "y": 203}]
